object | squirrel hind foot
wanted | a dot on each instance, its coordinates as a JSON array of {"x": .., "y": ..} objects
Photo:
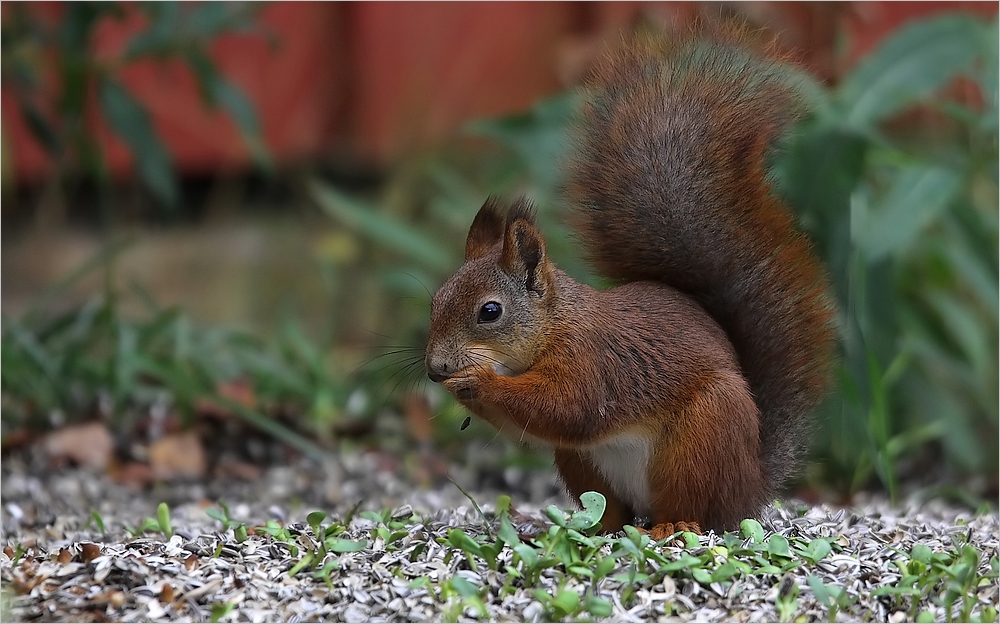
[{"x": 666, "y": 529}]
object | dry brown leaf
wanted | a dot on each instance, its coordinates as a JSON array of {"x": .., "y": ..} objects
[
  {"x": 131, "y": 473},
  {"x": 89, "y": 444},
  {"x": 177, "y": 456},
  {"x": 236, "y": 390},
  {"x": 418, "y": 417},
  {"x": 229, "y": 468}
]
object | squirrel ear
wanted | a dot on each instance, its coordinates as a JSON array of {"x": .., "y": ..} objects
[
  {"x": 523, "y": 253},
  {"x": 486, "y": 230}
]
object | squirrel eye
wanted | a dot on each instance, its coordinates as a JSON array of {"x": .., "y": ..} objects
[{"x": 490, "y": 312}]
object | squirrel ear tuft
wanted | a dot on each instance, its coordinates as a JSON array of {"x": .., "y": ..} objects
[
  {"x": 523, "y": 253},
  {"x": 486, "y": 230}
]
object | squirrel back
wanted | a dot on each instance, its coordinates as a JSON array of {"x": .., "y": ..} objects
[{"x": 670, "y": 184}]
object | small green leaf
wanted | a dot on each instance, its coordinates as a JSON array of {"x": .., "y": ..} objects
[
  {"x": 683, "y": 562},
  {"x": 598, "y": 607},
  {"x": 240, "y": 533},
  {"x": 750, "y": 528},
  {"x": 819, "y": 590},
  {"x": 337, "y": 544},
  {"x": 580, "y": 570},
  {"x": 896, "y": 591},
  {"x": 507, "y": 534},
  {"x": 556, "y": 515},
  {"x": 315, "y": 519},
  {"x": 691, "y": 540},
  {"x": 324, "y": 573},
  {"x": 725, "y": 572},
  {"x": 593, "y": 504},
  {"x": 925, "y": 617},
  {"x": 604, "y": 567},
  {"x": 817, "y": 550},
  {"x": 777, "y": 545},
  {"x": 98, "y": 520},
  {"x": 303, "y": 564},
  {"x": 768, "y": 569},
  {"x": 567, "y": 601},
  {"x": 459, "y": 539},
  {"x": 542, "y": 596},
  {"x": 503, "y": 504},
  {"x": 221, "y": 610},
  {"x": 527, "y": 554},
  {"x": 464, "y": 587},
  {"x": 163, "y": 519}
]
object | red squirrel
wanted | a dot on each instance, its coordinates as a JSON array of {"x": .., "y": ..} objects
[{"x": 683, "y": 394}]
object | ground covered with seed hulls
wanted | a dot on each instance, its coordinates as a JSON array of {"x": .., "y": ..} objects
[{"x": 350, "y": 542}]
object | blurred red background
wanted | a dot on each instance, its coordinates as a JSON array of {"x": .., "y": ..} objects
[{"x": 372, "y": 82}]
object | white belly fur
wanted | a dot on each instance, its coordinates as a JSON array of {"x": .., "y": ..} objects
[{"x": 623, "y": 461}]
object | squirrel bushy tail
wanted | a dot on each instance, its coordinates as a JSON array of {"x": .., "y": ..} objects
[{"x": 671, "y": 185}]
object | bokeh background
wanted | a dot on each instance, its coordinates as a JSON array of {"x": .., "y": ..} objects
[{"x": 222, "y": 222}]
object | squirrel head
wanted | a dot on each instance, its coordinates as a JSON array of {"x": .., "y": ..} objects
[{"x": 493, "y": 310}]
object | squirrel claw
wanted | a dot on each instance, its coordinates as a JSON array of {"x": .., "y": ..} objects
[{"x": 666, "y": 529}]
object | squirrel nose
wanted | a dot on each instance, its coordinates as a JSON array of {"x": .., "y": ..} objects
[{"x": 437, "y": 371}]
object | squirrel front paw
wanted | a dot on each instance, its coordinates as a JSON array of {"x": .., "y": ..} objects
[
  {"x": 471, "y": 387},
  {"x": 465, "y": 389}
]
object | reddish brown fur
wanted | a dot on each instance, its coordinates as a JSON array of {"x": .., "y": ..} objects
[{"x": 717, "y": 345}]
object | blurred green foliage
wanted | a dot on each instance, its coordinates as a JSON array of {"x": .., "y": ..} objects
[
  {"x": 93, "y": 361},
  {"x": 895, "y": 181},
  {"x": 37, "y": 54}
]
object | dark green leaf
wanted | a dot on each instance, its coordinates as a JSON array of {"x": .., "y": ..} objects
[
  {"x": 131, "y": 123},
  {"x": 918, "y": 195},
  {"x": 41, "y": 128},
  {"x": 914, "y": 62}
]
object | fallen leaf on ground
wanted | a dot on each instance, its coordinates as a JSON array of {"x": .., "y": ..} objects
[
  {"x": 418, "y": 417},
  {"x": 229, "y": 468},
  {"x": 89, "y": 444},
  {"x": 131, "y": 473},
  {"x": 177, "y": 456},
  {"x": 236, "y": 390}
]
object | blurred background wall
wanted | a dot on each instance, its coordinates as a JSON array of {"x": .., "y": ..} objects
[{"x": 370, "y": 83}]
